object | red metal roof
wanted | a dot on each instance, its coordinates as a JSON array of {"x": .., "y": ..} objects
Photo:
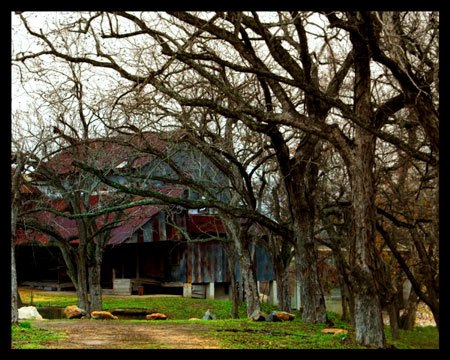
[
  {"x": 205, "y": 224},
  {"x": 131, "y": 219},
  {"x": 112, "y": 152}
]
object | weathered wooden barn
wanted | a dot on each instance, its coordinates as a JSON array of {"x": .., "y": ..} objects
[{"x": 156, "y": 248}]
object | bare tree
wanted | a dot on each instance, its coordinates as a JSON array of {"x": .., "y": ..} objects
[{"x": 345, "y": 89}]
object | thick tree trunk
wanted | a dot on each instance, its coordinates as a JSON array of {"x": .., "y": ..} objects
[
  {"x": 282, "y": 279},
  {"x": 15, "y": 201},
  {"x": 249, "y": 280},
  {"x": 229, "y": 248},
  {"x": 312, "y": 298},
  {"x": 301, "y": 195},
  {"x": 14, "y": 291},
  {"x": 393, "y": 320},
  {"x": 363, "y": 258},
  {"x": 94, "y": 276},
  {"x": 408, "y": 318},
  {"x": 347, "y": 299},
  {"x": 82, "y": 281},
  {"x": 95, "y": 288},
  {"x": 239, "y": 235},
  {"x": 348, "y": 305},
  {"x": 300, "y": 181},
  {"x": 234, "y": 296},
  {"x": 360, "y": 161},
  {"x": 281, "y": 257}
]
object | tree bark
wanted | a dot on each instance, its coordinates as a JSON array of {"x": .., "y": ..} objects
[
  {"x": 229, "y": 248},
  {"x": 15, "y": 202},
  {"x": 408, "y": 318},
  {"x": 95, "y": 289},
  {"x": 239, "y": 233},
  {"x": 312, "y": 298},
  {"x": 364, "y": 266},
  {"x": 94, "y": 273},
  {"x": 282, "y": 278},
  {"x": 347, "y": 299},
  {"x": 363, "y": 257},
  {"x": 82, "y": 281},
  {"x": 300, "y": 181},
  {"x": 14, "y": 291},
  {"x": 393, "y": 320}
]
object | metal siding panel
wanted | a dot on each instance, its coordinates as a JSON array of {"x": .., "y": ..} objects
[
  {"x": 264, "y": 264},
  {"x": 219, "y": 272},
  {"x": 155, "y": 226},
  {"x": 183, "y": 273},
  {"x": 188, "y": 263},
  {"x": 211, "y": 263},
  {"x": 148, "y": 232},
  {"x": 162, "y": 226},
  {"x": 202, "y": 263},
  {"x": 197, "y": 259}
]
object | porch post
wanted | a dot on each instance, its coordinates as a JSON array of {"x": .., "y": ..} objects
[
  {"x": 210, "y": 291},
  {"x": 187, "y": 290},
  {"x": 273, "y": 296}
]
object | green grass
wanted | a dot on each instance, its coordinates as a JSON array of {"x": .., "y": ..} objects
[
  {"x": 232, "y": 333},
  {"x": 247, "y": 334},
  {"x": 425, "y": 337},
  {"x": 26, "y": 336}
]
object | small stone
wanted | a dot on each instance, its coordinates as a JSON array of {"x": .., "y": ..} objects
[
  {"x": 209, "y": 315},
  {"x": 283, "y": 315},
  {"x": 334, "y": 331},
  {"x": 258, "y": 316},
  {"x": 74, "y": 312},
  {"x": 103, "y": 315},
  {"x": 156, "y": 316}
]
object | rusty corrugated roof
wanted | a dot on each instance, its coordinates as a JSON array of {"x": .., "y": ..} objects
[
  {"x": 205, "y": 224},
  {"x": 131, "y": 219},
  {"x": 115, "y": 152}
]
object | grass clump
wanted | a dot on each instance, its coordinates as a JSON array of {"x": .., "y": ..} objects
[{"x": 26, "y": 336}]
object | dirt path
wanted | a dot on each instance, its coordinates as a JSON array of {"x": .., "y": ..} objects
[{"x": 104, "y": 334}]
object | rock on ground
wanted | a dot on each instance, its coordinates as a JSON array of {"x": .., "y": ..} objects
[
  {"x": 156, "y": 316},
  {"x": 103, "y": 315},
  {"x": 74, "y": 312},
  {"x": 29, "y": 313}
]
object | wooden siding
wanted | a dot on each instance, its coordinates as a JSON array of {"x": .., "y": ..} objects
[
  {"x": 206, "y": 262},
  {"x": 264, "y": 265},
  {"x": 148, "y": 231}
]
